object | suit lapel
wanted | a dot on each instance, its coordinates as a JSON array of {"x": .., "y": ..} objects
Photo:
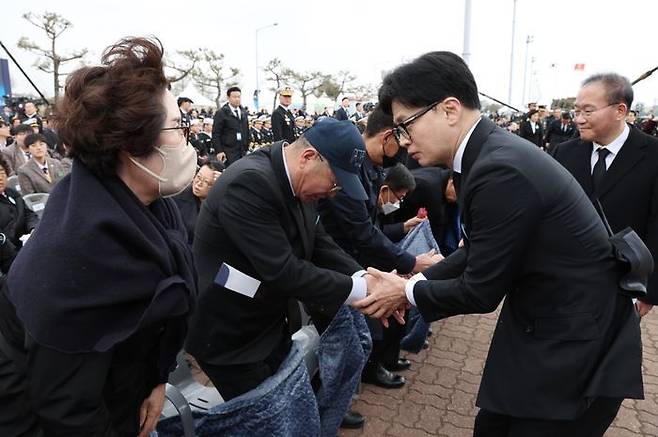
[
  {"x": 294, "y": 206},
  {"x": 630, "y": 154},
  {"x": 36, "y": 169},
  {"x": 582, "y": 165}
]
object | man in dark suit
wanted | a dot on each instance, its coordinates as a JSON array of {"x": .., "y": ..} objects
[
  {"x": 189, "y": 201},
  {"x": 531, "y": 129},
  {"x": 16, "y": 219},
  {"x": 259, "y": 245},
  {"x": 283, "y": 121},
  {"x": 342, "y": 112},
  {"x": 230, "y": 130},
  {"x": 616, "y": 163},
  {"x": 566, "y": 349},
  {"x": 560, "y": 130},
  {"x": 185, "y": 106},
  {"x": 17, "y": 153}
]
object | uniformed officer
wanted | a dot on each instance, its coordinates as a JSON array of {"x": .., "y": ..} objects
[
  {"x": 283, "y": 122},
  {"x": 268, "y": 135},
  {"x": 300, "y": 125},
  {"x": 205, "y": 137},
  {"x": 255, "y": 134}
]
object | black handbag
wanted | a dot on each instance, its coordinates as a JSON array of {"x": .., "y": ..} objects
[{"x": 633, "y": 254}]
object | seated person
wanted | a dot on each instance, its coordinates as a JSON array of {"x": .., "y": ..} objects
[
  {"x": 41, "y": 172},
  {"x": 189, "y": 201},
  {"x": 16, "y": 219}
]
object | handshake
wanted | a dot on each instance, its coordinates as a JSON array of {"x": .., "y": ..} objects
[{"x": 386, "y": 291}]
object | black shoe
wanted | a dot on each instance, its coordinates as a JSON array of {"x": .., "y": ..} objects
[
  {"x": 352, "y": 420},
  {"x": 402, "y": 364},
  {"x": 379, "y": 376},
  {"x": 426, "y": 345}
]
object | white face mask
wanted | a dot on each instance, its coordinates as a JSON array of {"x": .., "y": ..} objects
[
  {"x": 179, "y": 166},
  {"x": 389, "y": 207}
]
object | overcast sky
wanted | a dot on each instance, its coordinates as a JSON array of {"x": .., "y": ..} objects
[{"x": 369, "y": 37}]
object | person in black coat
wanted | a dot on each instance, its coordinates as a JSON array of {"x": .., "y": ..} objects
[
  {"x": 341, "y": 113},
  {"x": 86, "y": 342},
  {"x": 560, "y": 130},
  {"x": 627, "y": 187},
  {"x": 189, "y": 201},
  {"x": 566, "y": 349},
  {"x": 283, "y": 121},
  {"x": 531, "y": 129},
  {"x": 230, "y": 131},
  {"x": 260, "y": 220},
  {"x": 16, "y": 219}
]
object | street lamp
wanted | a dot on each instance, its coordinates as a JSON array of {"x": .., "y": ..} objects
[
  {"x": 528, "y": 41},
  {"x": 257, "y": 83}
]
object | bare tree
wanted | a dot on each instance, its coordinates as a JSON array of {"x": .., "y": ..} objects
[
  {"x": 306, "y": 83},
  {"x": 335, "y": 85},
  {"x": 278, "y": 75},
  {"x": 210, "y": 73},
  {"x": 50, "y": 60},
  {"x": 364, "y": 92},
  {"x": 183, "y": 65}
]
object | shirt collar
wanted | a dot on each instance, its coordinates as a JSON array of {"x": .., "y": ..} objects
[
  {"x": 457, "y": 161},
  {"x": 285, "y": 166},
  {"x": 615, "y": 146}
]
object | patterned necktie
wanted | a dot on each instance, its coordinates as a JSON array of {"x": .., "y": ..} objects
[{"x": 47, "y": 174}]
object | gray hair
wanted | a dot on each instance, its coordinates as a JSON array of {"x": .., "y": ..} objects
[{"x": 617, "y": 88}]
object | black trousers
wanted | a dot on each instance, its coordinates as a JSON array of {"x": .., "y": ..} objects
[
  {"x": 593, "y": 423},
  {"x": 233, "y": 380},
  {"x": 385, "y": 342}
]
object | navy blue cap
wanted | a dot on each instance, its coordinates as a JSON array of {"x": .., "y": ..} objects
[{"x": 340, "y": 143}]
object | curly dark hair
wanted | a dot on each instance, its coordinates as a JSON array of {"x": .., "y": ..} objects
[{"x": 114, "y": 106}]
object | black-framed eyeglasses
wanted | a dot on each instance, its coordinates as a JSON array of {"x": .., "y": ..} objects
[
  {"x": 335, "y": 188},
  {"x": 401, "y": 130},
  {"x": 185, "y": 129}
]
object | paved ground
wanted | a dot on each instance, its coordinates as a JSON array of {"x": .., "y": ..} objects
[{"x": 439, "y": 397}]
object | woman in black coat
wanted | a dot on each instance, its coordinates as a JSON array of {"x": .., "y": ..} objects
[
  {"x": 531, "y": 129},
  {"x": 96, "y": 304}
]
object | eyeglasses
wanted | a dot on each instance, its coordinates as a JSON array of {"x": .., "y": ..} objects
[
  {"x": 335, "y": 188},
  {"x": 399, "y": 198},
  {"x": 198, "y": 179},
  {"x": 185, "y": 130},
  {"x": 587, "y": 113},
  {"x": 401, "y": 130}
]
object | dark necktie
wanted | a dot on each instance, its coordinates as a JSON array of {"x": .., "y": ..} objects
[
  {"x": 599, "y": 169},
  {"x": 457, "y": 182}
]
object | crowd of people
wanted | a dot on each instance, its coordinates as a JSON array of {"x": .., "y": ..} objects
[{"x": 169, "y": 229}]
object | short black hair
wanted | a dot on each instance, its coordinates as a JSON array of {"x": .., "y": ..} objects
[
  {"x": 23, "y": 128},
  {"x": 182, "y": 100},
  {"x": 214, "y": 165},
  {"x": 378, "y": 121},
  {"x": 233, "y": 89},
  {"x": 399, "y": 177},
  {"x": 344, "y": 98},
  {"x": 633, "y": 112},
  {"x": 429, "y": 78},
  {"x": 566, "y": 116},
  {"x": 617, "y": 88},
  {"x": 33, "y": 138},
  {"x": 532, "y": 112}
]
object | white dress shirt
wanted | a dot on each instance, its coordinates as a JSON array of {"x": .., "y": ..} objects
[{"x": 614, "y": 147}]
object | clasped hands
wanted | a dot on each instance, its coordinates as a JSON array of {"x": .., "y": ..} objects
[{"x": 386, "y": 291}]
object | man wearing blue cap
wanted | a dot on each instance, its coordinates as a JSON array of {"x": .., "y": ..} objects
[{"x": 259, "y": 246}]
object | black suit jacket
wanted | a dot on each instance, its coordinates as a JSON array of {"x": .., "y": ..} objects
[
  {"x": 252, "y": 221},
  {"x": 629, "y": 194},
  {"x": 565, "y": 334},
  {"x": 555, "y": 135},
  {"x": 225, "y": 130},
  {"x": 188, "y": 205},
  {"x": 341, "y": 114},
  {"x": 525, "y": 131},
  {"x": 283, "y": 125},
  {"x": 16, "y": 219}
]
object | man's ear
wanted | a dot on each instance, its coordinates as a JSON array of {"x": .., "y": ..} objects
[
  {"x": 452, "y": 108},
  {"x": 307, "y": 155}
]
